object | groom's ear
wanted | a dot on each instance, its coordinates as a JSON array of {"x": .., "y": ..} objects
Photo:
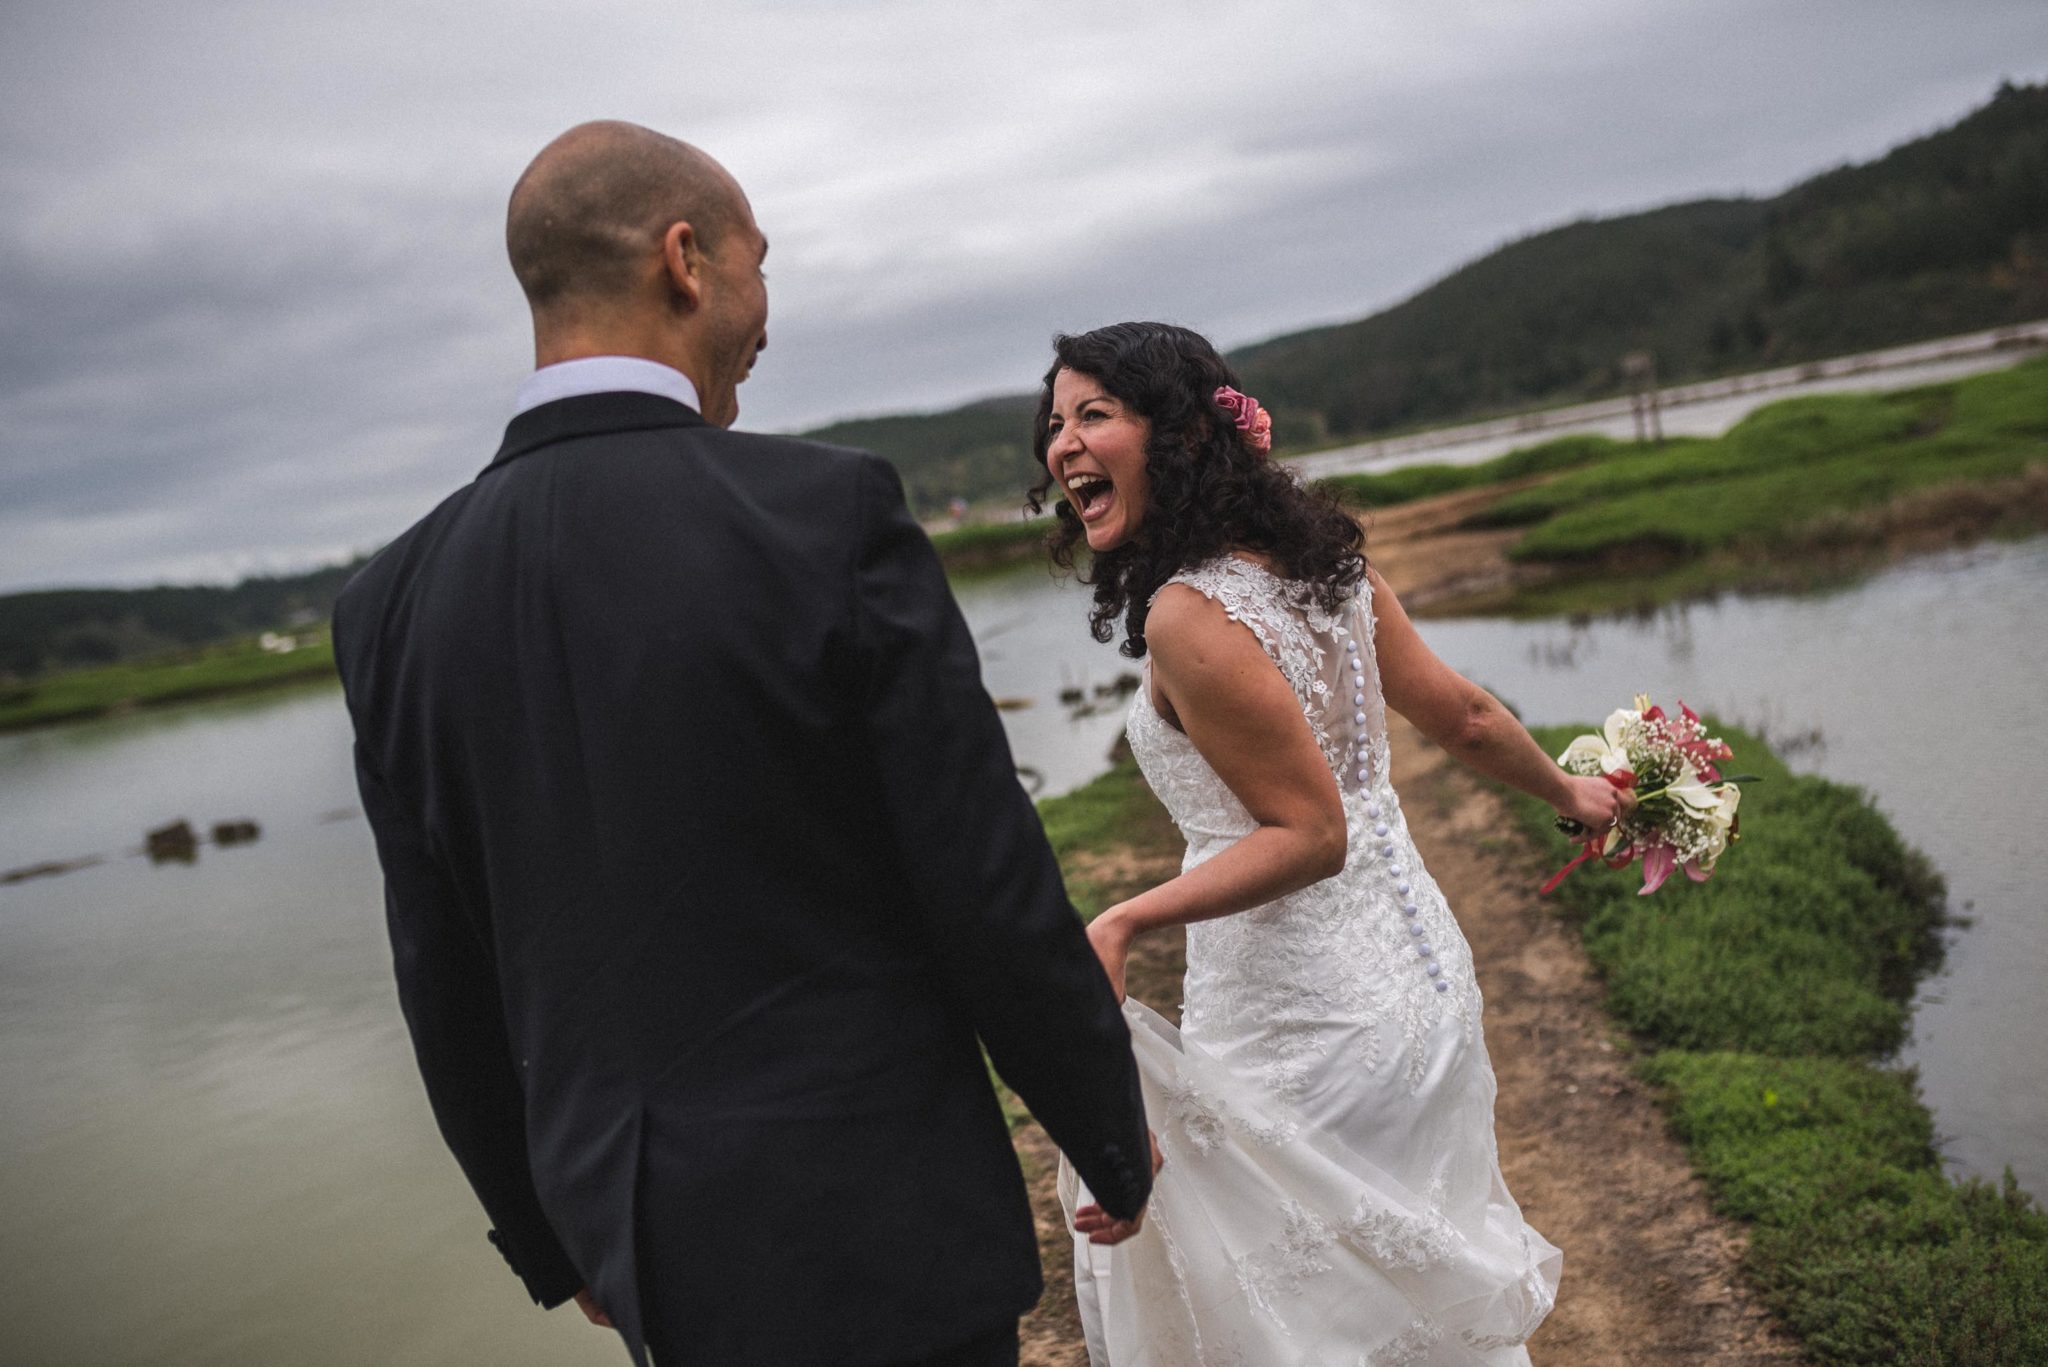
[{"x": 682, "y": 260}]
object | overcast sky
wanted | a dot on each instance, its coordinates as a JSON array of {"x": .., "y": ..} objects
[{"x": 254, "y": 311}]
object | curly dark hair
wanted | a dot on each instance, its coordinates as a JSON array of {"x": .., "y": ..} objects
[{"x": 1211, "y": 492}]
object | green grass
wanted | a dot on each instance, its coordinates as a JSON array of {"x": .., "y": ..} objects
[
  {"x": 1869, "y": 1252},
  {"x": 1783, "y": 477},
  {"x": 989, "y": 545},
  {"x": 1412, "y": 482},
  {"x": 230, "y": 667},
  {"x": 1779, "y": 952},
  {"x": 1767, "y": 994}
]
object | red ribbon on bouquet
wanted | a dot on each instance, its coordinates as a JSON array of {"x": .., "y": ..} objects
[{"x": 1592, "y": 848}]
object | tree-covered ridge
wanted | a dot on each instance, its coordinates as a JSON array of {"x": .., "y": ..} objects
[
  {"x": 1945, "y": 234},
  {"x": 980, "y": 450},
  {"x": 70, "y": 628},
  {"x": 1942, "y": 235}
]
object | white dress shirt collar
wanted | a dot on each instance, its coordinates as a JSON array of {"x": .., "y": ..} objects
[{"x": 604, "y": 375}]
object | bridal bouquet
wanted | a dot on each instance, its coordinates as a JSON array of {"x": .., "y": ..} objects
[{"x": 1685, "y": 813}]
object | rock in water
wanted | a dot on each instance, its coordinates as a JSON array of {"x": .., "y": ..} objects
[{"x": 176, "y": 842}]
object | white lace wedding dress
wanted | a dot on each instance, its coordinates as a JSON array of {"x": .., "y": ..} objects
[{"x": 1332, "y": 1195}]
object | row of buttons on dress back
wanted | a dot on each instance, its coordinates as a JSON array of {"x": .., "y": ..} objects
[{"x": 1380, "y": 828}]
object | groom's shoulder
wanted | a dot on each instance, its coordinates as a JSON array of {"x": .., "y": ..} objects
[
  {"x": 801, "y": 452},
  {"x": 800, "y": 461}
]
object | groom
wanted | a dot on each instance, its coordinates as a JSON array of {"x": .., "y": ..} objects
[{"x": 707, "y": 870}]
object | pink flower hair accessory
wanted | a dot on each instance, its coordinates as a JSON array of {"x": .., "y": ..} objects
[{"x": 1246, "y": 415}]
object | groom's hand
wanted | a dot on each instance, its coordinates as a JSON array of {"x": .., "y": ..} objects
[
  {"x": 592, "y": 1311},
  {"x": 1103, "y": 1228}
]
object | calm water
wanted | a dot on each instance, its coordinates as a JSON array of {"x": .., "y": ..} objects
[{"x": 213, "y": 1146}]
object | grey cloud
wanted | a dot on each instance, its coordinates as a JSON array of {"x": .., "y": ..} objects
[{"x": 253, "y": 311}]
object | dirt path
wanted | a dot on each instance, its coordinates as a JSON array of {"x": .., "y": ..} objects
[
  {"x": 1420, "y": 549},
  {"x": 1651, "y": 1274}
]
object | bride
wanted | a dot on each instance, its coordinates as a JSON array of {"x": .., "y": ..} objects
[{"x": 1331, "y": 1192}]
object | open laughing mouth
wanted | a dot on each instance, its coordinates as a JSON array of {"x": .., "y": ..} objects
[{"x": 1091, "y": 495}]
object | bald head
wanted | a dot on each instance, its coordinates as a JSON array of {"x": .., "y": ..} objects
[{"x": 588, "y": 216}]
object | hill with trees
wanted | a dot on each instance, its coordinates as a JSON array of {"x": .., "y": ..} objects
[
  {"x": 54, "y": 629},
  {"x": 1945, "y": 234}
]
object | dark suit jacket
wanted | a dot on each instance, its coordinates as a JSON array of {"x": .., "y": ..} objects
[{"x": 706, "y": 865}]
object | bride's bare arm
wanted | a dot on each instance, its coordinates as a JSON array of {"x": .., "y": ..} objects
[
  {"x": 1470, "y": 723},
  {"x": 1223, "y": 691}
]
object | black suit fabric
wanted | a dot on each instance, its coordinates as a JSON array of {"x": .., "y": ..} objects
[{"x": 706, "y": 867}]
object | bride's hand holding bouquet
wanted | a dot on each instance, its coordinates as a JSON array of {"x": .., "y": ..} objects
[{"x": 1684, "y": 812}]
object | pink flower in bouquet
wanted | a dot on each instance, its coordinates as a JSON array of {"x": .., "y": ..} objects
[
  {"x": 1658, "y": 862},
  {"x": 1685, "y": 813}
]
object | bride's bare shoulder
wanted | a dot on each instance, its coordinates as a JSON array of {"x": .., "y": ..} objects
[
  {"x": 1180, "y": 609},
  {"x": 1187, "y": 627}
]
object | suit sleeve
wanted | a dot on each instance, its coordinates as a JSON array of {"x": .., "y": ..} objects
[
  {"x": 448, "y": 989},
  {"x": 982, "y": 877}
]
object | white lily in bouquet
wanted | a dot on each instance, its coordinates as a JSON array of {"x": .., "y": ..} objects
[{"x": 1686, "y": 813}]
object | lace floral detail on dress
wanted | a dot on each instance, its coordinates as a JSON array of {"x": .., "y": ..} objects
[
  {"x": 1199, "y": 1118},
  {"x": 1206, "y": 1346},
  {"x": 1286, "y": 621},
  {"x": 1397, "y": 1239},
  {"x": 1290, "y": 627},
  {"x": 1394, "y": 1243},
  {"x": 1488, "y": 1343},
  {"x": 1374, "y": 755},
  {"x": 1285, "y": 1266},
  {"x": 1207, "y": 1122},
  {"x": 1412, "y": 1345}
]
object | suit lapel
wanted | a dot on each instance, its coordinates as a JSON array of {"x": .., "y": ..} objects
[{"x": 589, "y": 415}]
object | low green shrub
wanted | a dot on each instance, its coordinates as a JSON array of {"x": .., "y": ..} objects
[
  {"x": 1405, "y": 485},
  {"x": 2010, "y": 400},
  {"x": 1858, "y": 1240},
  {"x": 207, "y": 671},
  {"x": 1412, "y": 482},
  {"x": 979, "y": 539},
  {"x": 1798, "y": 944},
  {"x": 1784, "y": 471},
  {"x": 1767, "y": 992}
]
